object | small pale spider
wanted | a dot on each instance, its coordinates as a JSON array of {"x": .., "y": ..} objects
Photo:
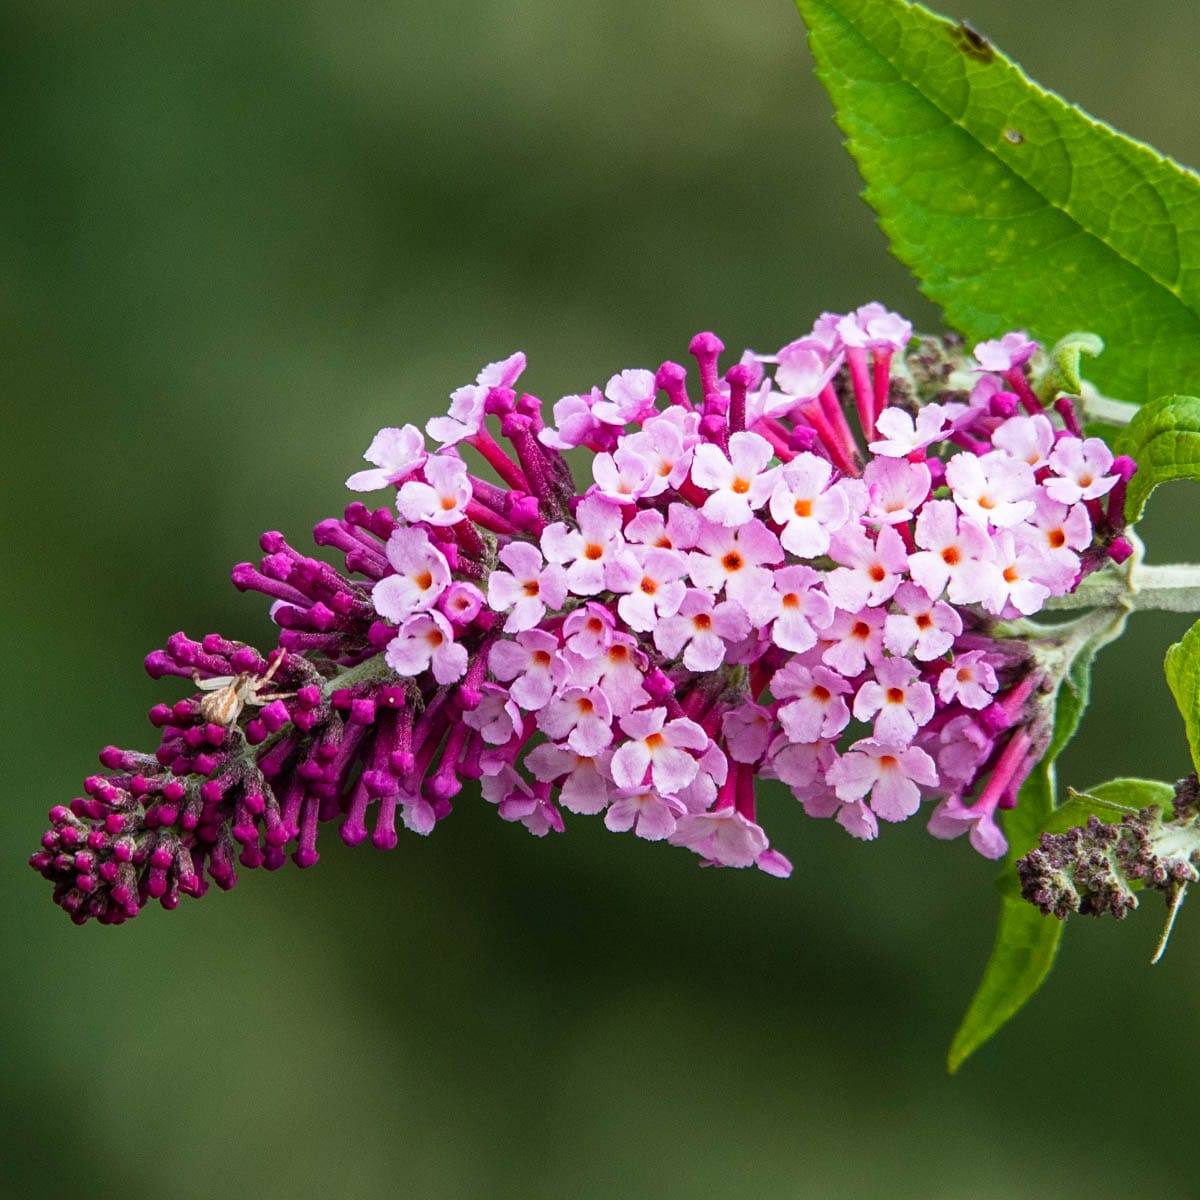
[{"x": 231, "y": 693}]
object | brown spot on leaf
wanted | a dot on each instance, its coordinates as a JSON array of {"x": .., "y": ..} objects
[
  {"x": 1014, "y": 135},
  {"x": 972, "y": 43}
]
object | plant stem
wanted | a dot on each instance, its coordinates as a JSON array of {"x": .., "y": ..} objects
[
  {"x": 1111, "y": 412},
  {"x": 1174, "y": 587}
]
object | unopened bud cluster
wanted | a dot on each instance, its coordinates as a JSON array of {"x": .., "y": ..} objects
[{"x": 1098, "y": 868}]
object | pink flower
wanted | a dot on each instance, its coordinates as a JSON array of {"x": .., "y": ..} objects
[
  {"x": 1003, "y": 354},
  {"x": 574, "y": 422},
  {"x": 1080, "y": 467},
  {"x": 659, "y": 746},
  {"x": 619, "y": 670},
  {"x": 648, "y": 814},
  {"x": 657, "y": 594},
  {"x": 442, "y": 498},
  {"x": 995, "y": 489},
  {"x": 903, "y": 703},
  {"x": 971, "y": 681},
  {"x": 736, "y": 560},
  {"x": 872, "y": 570},
  {"x": 873, "y": 327},
  {"x": 738, "y": 484},
  {"x": 852, "y": 640},
  {"x": 809, "y": 510},
  {"x": 517, "y": 801},
  {"x": 422, "y": 574},
  {"x": 629, "y": 398},
  {"x": 496, "y": 718},
  {"x": 896, "y": 489},
  {"x": 660, "y": 445},
  {"x": 589, "y": 630},
  {"x": 701, "y": 630},
  {"x": 596, "y": 549},
  {"x": 1029, "y": 439},
  {"x": 533, "y": 665},
  {"x": 679, "y": 531},
  {"x": 622, "y": 477},
  {"x": 803, "y": 608},
  {"x": 423, "y": 642},
  {"x": 583, "y": 718},
  {"x": 956, "y": 555},
  {"x": 952, "y": 818},
  {"x": 802, "y": 373},
  {"x": 396, "y": 453},
  {"x": 924, "y": 628},
  {"x": 527, "y": 588},
  {"x": 724, "y": 837},
  {"x": 814, "y": 707},
  {"x": 467, "y": 403},
  {"x": 1021, "y": 568},
  {"x": 747, "y": 730},
  {"x": 583, "y": 786},
  {"x": 461, "y": 603},
  {"x": 902, "y": 435},
  {"x": 1057, "y": 531},
  {"x": 890, "y": 774}
]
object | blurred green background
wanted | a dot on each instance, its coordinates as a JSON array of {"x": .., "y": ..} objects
[{"x": 236, "y": 239}]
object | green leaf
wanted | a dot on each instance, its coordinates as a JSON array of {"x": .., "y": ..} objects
[
  {"x": 1026, "y": 942},
  {"x": 1024, "y": 951},
  {"x": 1164, "y": 440},
  {"x": 1107, "y": 800},
  {"x": 1012, "y": 207},
  {"x": 1182, "y": 668}
]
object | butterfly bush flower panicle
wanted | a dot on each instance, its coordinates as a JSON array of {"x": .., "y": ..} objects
[{"x": 810, "y": 567}]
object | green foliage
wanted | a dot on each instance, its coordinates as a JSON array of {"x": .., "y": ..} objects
[
  {"x": 1164, "y": 440},
  {"x": 1025, "y": 946},
  {"x": 1012, "y": 207},
  {"x": 1182, "y": 667}
]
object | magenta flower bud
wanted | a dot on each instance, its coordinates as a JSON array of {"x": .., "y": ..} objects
[{"x": 1120, "y": 550}]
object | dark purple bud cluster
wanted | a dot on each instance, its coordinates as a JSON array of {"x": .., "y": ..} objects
[{"x": 1098, "y": 868}]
